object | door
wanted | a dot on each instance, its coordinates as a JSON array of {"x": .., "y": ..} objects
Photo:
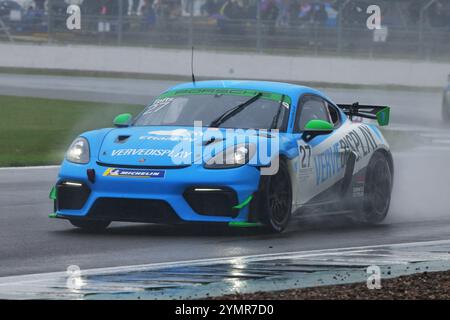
[{"x": 319, "y": 166}]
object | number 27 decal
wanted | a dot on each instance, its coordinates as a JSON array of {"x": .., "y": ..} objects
[{"x": 305, "y": 156}]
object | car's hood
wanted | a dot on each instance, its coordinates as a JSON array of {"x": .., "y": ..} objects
[{"x": 165, "y": 146}]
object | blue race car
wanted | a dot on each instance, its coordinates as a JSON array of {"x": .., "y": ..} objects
[{"x": 243, "y": 153}]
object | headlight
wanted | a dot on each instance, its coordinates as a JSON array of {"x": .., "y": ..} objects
[
  {"x": 78, "y": 151},
  {"x": 232, "y": 157}
]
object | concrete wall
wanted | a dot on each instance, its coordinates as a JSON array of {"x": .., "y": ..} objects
[{"x": 225, "y": 65}]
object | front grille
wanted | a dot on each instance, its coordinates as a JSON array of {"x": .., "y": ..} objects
[
  {"x": 215, "y": 202},
  {"x": 71, "y": 195},
  {"x": 133, "y": 210}
]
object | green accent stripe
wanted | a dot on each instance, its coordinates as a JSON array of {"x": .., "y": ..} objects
[
  {"x": 383, "y": 116},
  {"x": 52, "y": 215},
  {"x": 122, "y": 119},
  {"x": 318, "y": 125},
  {"x": 244, "y": 224},
  {"x": 243, "y": 204},
  {"x": 237, "y": 92},
  {"x": 52, "y": 194}
]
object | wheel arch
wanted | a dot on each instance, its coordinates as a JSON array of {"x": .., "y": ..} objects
[
  {"x": 256, "y": 209},
  {"x": 388, "y": 155}
]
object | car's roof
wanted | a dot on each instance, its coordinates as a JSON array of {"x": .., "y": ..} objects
[{"x": 292, "y": 90}]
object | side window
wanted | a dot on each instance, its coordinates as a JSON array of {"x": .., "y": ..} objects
[
  {"x": 313, "y": 108},
  {"x": 334, "y": 114}
]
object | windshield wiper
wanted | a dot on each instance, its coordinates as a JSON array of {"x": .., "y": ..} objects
[
  {"x": 234, "y": 111},
  {"x": 277, "y": 116}
]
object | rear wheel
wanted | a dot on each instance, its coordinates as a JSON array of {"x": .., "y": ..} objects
[
  {"x": 377, "y": 194},
  {"x": 92, "y": 226},
  {"x": 275, "y": 200}
]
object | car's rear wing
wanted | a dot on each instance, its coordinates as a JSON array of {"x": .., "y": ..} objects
[{"x": 379, "y": 113}]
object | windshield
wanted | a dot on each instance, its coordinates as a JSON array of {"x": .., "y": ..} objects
[{"x": 182, "y": 108}]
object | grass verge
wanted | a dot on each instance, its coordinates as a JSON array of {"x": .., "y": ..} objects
[{"x": 37, "y": 131}]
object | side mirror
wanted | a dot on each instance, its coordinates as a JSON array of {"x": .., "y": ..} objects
[
  {"x": 315, "y": 128},
  {"x": 122, "y": 120}
]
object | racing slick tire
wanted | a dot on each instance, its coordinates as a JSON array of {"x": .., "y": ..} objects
[
  {"x": 378, "y": 189},
  {"x": 275, "y": 200},
  {"x": 91, "y": 226}
]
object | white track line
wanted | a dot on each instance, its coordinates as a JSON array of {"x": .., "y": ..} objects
[
  {"x": 41, "y": 277},
  {"x": 29, "y": 168}
]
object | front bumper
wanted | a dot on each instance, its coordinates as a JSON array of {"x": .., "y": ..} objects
[{"x": 188, "y": 194}]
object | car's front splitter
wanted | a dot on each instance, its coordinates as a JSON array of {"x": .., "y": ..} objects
[{"x": 189, "y": 194}]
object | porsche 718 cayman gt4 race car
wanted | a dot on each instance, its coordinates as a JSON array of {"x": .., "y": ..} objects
[{"x": 245, "y": 153}]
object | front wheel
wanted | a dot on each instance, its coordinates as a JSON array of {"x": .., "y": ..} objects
[
  {"x": 378, "y": 189},
  {"x": 275, "y": 199},
  {"x": 91, "y": 226}
]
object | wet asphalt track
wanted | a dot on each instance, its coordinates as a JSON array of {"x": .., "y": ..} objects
[{"x": 32, "y": 243}]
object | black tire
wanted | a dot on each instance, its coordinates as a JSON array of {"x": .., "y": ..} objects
[
  {"x": 378, "y": 189},
  {"x": 275, "y": 200},
  {"x": 91, "y": 226}
]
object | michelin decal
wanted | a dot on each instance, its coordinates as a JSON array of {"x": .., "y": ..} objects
[{"x": 134, "y": 173}]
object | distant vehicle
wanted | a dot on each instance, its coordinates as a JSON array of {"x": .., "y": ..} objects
[
  {"x": 6, "y": 6},
  {"x": 22, "y": 17},
  {"x": 446, "y": 103},
  {"x": 26, "y": 3},
  {"x": 144, "y": 170},
  {"x": 11, "y": 14}
]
